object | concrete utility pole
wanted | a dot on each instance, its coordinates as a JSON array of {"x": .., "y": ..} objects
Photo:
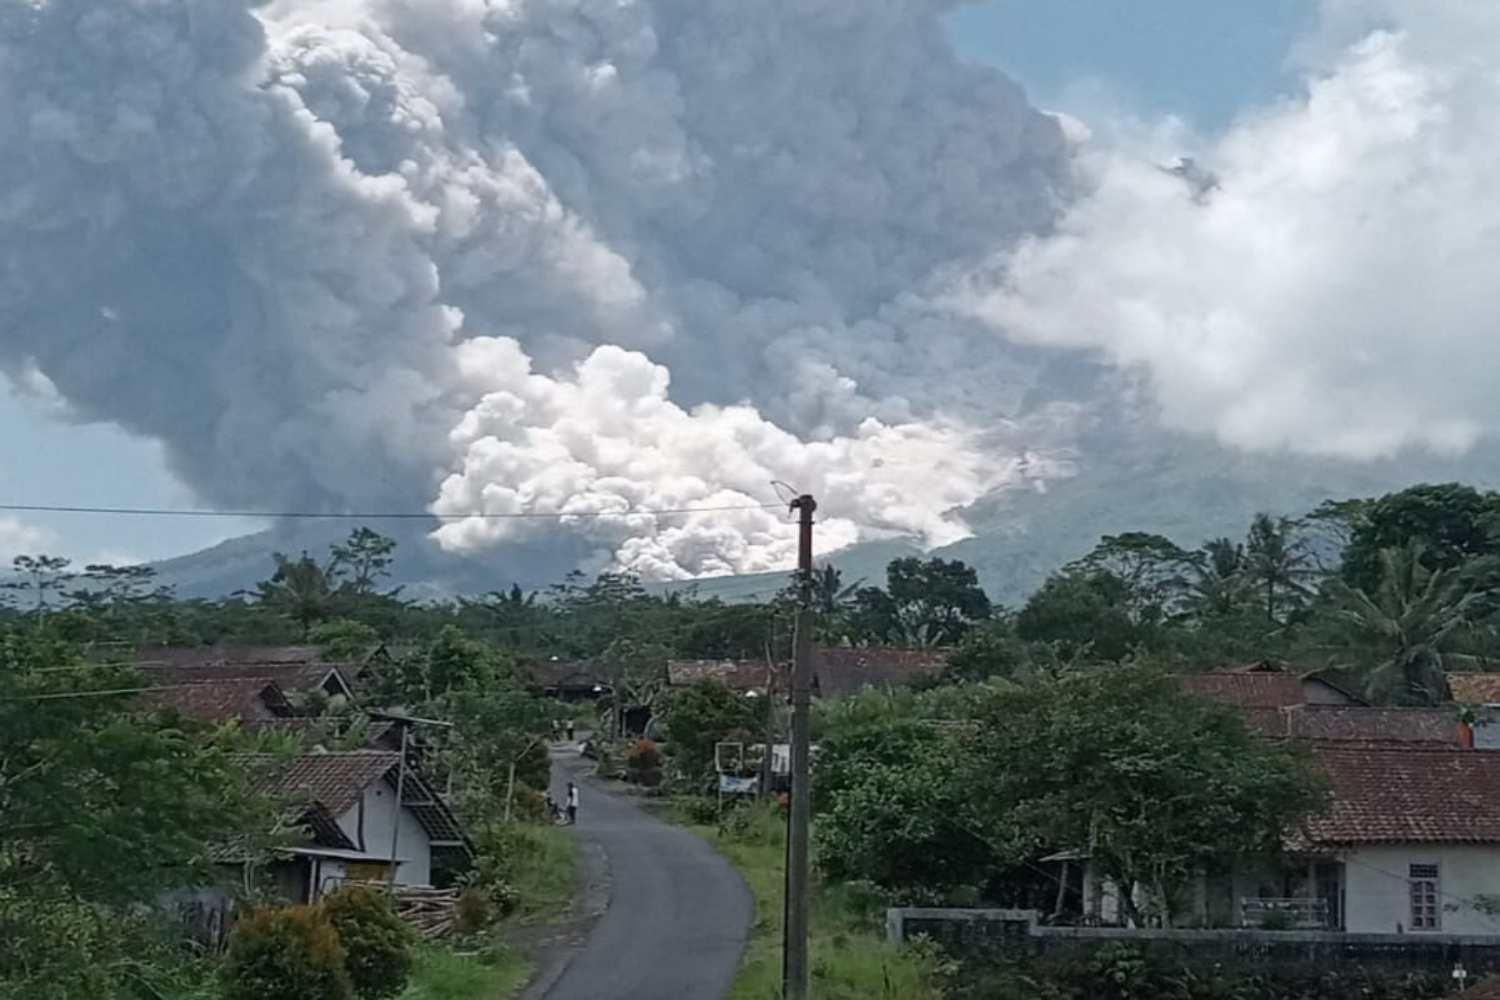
[
  {"x": 396, "y": 815},
  {"x": 794, "y": 969}
]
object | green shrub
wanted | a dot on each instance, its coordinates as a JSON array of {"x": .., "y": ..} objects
[
  {"x": 701, "y": 810},
  {"x": 291, "y": 953},
  {"x": 377, "y": 943}
]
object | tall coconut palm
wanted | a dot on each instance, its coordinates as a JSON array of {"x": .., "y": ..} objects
[
  {"x": 1406, "y": 633},
  {"x": 1279, "y": 564}
]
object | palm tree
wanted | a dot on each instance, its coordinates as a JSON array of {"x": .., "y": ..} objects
[
  {"x": 832, "y": 602},
  {"x": 1217, "y": 585},
  {"x": 1405, "y": 632},
  {"x": 1278, "y": 562}
]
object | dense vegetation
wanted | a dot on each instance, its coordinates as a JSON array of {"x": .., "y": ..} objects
[{"x": 947, "y": 793}]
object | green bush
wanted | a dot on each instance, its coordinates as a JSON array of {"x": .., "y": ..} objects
[
  {"x": 701, "y": 810},
  {"x": 377, "y": 943},
  {"x": 291, "y": 953}
]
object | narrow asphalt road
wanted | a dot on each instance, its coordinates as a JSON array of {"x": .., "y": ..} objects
[{"x": 678, "y": 914}]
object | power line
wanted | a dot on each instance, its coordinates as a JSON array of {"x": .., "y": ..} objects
[{"x": 373, "y": 515}]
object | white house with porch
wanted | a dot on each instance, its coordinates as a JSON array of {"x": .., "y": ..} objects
[
  {"x": 347, "y": 803},
  {"x": 1409, "y": 844}
]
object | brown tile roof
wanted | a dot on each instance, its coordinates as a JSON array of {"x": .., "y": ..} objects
[
  {"x": 243, "y": 699},
  {"x": 1258, "y": 667},
  {"x": 1247, "y": 690},
  {"x": 332, "y": 783},
  {"x": 1397, "y": 795},
  {"x": 564, "y": 673},
  {"x": 1475, "y": 689},
  {"x": 842, "y": 670},
  {"x": 289, "y": 676},
  {"x": 331, "y": 780},
  {"x": 1437, "y": 726},
  {"x": 738, "y": 675},
  {"x": 184, "y": 656}
]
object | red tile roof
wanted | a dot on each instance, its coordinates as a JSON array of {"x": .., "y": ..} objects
[
  {"x": 245, "y": 699},
  {"x": 842, "y": 670},
  {"x": 1391, "y": 795},
  {"x": 1247, "y": 690},
  {"x": 1475, "y": 689}
]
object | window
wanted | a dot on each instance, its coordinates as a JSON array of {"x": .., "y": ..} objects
[{"x": 1422, "y": 883}]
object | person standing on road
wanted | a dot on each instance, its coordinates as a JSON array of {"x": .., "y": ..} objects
[{"x": 572, "y": 803}]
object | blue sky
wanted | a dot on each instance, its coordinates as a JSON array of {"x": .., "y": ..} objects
[{"x": 1202, "y": 61}]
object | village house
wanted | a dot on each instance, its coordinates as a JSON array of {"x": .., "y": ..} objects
[
  {"x": 1409, "y": 843},
  {"x": 346, "y": 827},
  {"x": 346, "y": 806}
]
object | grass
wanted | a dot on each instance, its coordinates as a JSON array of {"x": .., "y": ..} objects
[
  {"x": 545, "y": 872},
  {"x": 851, "y": 960},
  {"x": 444, "y": 975}
]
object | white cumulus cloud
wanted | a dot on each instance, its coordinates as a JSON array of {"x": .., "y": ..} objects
[
  {"x": 17, "y": 538},
  {"x": 1334, "y": 293}
]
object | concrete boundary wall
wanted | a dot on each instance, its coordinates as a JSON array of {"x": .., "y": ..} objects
[{"x": 977, "y": 931}]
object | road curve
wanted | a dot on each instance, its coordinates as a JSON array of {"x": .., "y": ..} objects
[{"x": 678, "y": 913}]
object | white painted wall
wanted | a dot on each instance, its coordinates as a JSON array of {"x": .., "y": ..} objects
[
  {"x": 1377, "y": 899},
  {"x": 1487, "y": 730},
  {"x": 414, "y": 846}
]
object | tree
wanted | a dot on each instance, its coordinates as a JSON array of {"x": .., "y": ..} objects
[
  {"x": 696, "y": 718},
  {"x": 1156, "y": 785},
  {"x": 931, "y": 603},
  {"x": 39, "y": 576},
  {"x": 900, "y": 826},
  {"x": 1217, "y": 583},
  {"x": 344, "y": 640},
  {"x": 1454, "y": 524},
  {"x": 1278, "y": 563},
  {"x": 1404, "y": 635},
  {"x": 940, "y": 596},
  {"x": 637, "y": 673},
  {"x": 1083, "y": 614},
  {"x": 1151, "y": 571},
  {"x": 300, "y": 589},
  {"x": 988, "y": 653},
  {"x": 109, "y": 805},
  {"x": 496, "y": 727},
  {"x": 361, "y": 560}
]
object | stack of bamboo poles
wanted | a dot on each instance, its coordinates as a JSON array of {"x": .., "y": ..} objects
[{"x": 430, "y": 912}]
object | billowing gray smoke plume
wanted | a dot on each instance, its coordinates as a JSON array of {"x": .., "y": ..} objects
[{"x": 505, "y": 255}]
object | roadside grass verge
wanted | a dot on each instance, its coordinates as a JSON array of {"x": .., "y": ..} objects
[
  {"x": 545, "y": 873},
  {"x": 446, "y": 975},
  {"x": 851, "y": 960}
]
